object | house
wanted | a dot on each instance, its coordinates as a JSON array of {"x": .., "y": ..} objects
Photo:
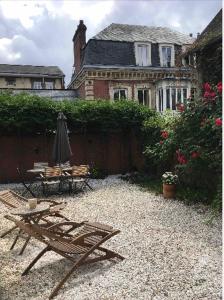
[
  {"x": 133, "y": 62},
  {"x": 206, "y": 52},
  {"x": 31, "y": 77}
]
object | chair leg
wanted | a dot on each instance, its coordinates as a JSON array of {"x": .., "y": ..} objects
[
  {"x": 35, "y": 260},
  {"x": 8, "y": 231},
  {"x": 61, "y": 283},
  {"x": 15, "y": 240},
  {"x": 88, "y": 185},
  {"x": 25, "y": 244}
]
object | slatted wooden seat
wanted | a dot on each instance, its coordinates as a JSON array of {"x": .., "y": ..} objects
[
  {"x": 79, "y": 174},
  {"x": 51, "y": 176},
  {"x": 82, "y": 247},
  {"x": 13, "y": 200}
]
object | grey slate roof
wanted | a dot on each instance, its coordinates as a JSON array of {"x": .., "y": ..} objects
[
  {"x": 109, "y": 53},
  {"x": 30, "y": 70},
  {"x": 138, "y": 33}
]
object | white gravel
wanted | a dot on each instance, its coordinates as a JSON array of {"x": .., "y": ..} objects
[{"x": 171, "y": 251}]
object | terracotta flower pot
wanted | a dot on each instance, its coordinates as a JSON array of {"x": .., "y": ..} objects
[{"x": 169, "y": 190}]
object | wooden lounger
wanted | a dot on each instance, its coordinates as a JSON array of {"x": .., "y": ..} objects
[{"x": 81, "y": 247}]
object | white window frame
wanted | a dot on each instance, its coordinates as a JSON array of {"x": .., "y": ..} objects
[
  {"x": 172, "y": 63},
  {"x": 37, "y": 85},
  {"x": 164, "y": 86},
  {"x": 10, "y": 81},
  {"x": 119, "y": 90},
  {"x": 137, "y": 58},
  {"x": 149, "y": 96},
  {"x": 49, "y": 85}
]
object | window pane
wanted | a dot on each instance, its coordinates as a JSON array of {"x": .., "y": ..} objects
[
  {"x": 173, "y": 96},
  {"x": 49, "y": 85},
  {"x": 168, "y": 49},
  {"x": 185, "y": 95},
  {"x": 142, "y": 55},
  {"x": 146, "y": 97},
  {"x": 140, "y": 96},
  {"x": 179, "y": 95},
  {"x": 160, "y": 99},
  {"x": 168, "y": 98},
  {"x": 116, "y": 94},
  {"x": 37, "y": 85},
  {"x": 123, "y": 94},
  {"x": 164, "y": 56}
]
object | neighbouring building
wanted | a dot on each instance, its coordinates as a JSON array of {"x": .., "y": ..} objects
[
  {"x": 132, "y": 62},
  {"x": 28, "y": 77},
  {"x": 206, "y": 52}
]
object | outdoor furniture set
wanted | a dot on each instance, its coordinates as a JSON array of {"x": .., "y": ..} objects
[
  {"x": 81, "y": 243},
  {"x": 59, "y": 176}
]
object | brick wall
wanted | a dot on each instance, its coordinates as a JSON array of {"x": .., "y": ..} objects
[{"x": 101, "y": 89}]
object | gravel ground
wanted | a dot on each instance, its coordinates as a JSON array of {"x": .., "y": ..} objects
[{"x": 170, "y": 251}]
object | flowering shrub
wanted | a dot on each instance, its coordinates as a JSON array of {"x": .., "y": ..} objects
[
  {"x": 193, "y": 145},
  {"x": 169, "y": 178}
]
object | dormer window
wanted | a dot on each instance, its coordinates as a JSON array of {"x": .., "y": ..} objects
[
  {"x": 143, "y": 54},
  {"x": 166, "y": 55}
]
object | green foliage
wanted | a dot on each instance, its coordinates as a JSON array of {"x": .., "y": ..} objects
[
  {"x": 97, "y": 173},
  {"x": 29, "y": 114},
  {"x": 192, "y": 147}
]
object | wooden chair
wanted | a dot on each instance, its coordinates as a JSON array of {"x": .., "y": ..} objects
[
  {"x": 51, "y": 176},
  {"x": 78, "y": 174},
  {"x": 13, "y": 200},
  {"x": 38, "y": 165},
  {"x": 81, "y": 247}
]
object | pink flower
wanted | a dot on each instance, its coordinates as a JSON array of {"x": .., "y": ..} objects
[
  {"x": 180, "y": 107},
  {"x": 161, "y": 142},
  {"x": 181, "y": 158},
  {"x": 195, "y": 154},
  {"x": 207, "y": 87},
  {"x": 210, "y": 94},
  {"x": 219, "y": 87},
  {"x": 218, "y": 122},
  {"x": 164, "y": 134}
]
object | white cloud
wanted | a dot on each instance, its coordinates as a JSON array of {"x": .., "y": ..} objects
[
  {"x": 6, "y": 50},
  {"x": 22, "y": 10}
]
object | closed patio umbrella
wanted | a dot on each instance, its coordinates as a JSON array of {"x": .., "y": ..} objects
[{"x": 61, "y": 149}]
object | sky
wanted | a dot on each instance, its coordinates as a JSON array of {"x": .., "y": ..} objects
[{"x": 41, "y": 32}]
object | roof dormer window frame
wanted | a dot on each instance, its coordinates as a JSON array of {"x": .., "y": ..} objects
[
  {"x": 172, "y": 64},
  {"x": 140, "y": 61}
]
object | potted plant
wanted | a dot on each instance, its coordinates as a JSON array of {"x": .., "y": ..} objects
[{"x": 169, "y": 184}]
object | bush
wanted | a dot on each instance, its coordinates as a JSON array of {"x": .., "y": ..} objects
[
  {"x": 30, "y": 114},
  {"x": 192, "y": 145}
]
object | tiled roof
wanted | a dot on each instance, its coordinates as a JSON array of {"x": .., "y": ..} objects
[
  {"x": 30, "y": 70},
  {"x": 138, "y": 33}
]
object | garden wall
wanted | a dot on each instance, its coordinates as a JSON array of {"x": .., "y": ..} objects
[{"x": 114, "y": 152}]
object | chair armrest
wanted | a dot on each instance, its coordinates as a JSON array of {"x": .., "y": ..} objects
[
  {"x": 53, "y": 202},
  {"x": 75, "y": 224},
  {"x": 80, "y": 238}
]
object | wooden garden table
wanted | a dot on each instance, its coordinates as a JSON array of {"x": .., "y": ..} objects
[{"x": 31, "y": 216}]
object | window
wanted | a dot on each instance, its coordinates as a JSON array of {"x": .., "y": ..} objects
[
  {"x": 49, "y": 85},
  {"x": 160, "y": 99},
  {"x": 143, "y": 54},
  {"x": 143, "y": 97},
  {"x": 120, "y": 94},
  {"x": 169, "y": 97},
  {"x": 37, "y": 85},
  {"x": 10, "y": 81},
  {"x": 166, "y": 55}
]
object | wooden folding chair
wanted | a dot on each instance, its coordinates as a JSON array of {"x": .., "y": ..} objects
[
  {"x": 84, "y": 246},
  {"x": 51, "y": 176},
  {"x": 78, "y": 174},
  {"x": 13, "y": 200}
]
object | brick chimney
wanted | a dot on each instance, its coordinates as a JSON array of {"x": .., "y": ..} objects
[{"x": 79, "y": 42}]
